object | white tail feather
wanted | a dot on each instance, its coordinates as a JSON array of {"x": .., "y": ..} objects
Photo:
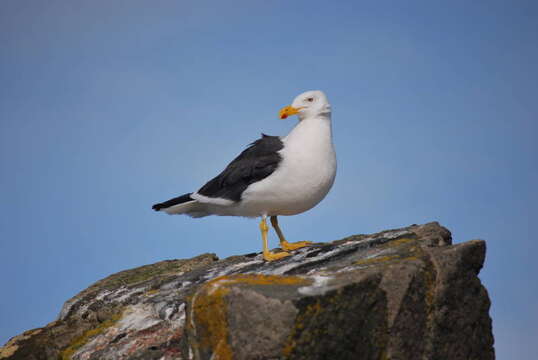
[{"x": 191, "y": 208}]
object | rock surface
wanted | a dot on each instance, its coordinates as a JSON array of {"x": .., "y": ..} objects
[{"x": 398, "y": 294}]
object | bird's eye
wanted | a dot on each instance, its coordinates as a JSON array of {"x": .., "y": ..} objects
[{"x": 310, "y": 99}]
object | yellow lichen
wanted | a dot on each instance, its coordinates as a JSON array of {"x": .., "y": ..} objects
[
  {"x": 383, "y": 355},
  {"x": 151, "y": 292},
  {"x": 11, "y": 346},
  {"x": 8, "y": 350},
  {"x": 288, "y": 349},
  {"x": 210, "y": 315},
  {"x": 407, "y": 251},
  {"x": 398, "y": 242},
  {"x": 209, "y": 309},
  {"x": 430, "y": 279},
  {"x": 376, "y": 260},
  {"x": 80, "y": 341},
  {"x": 311, "y": 311},
  {"x": 257, "y": 279}
]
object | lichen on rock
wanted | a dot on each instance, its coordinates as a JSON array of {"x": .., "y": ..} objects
[{"x": 398, "y": 294}]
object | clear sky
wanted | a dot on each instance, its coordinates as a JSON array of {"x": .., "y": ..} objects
[{"x": 107, "y": 107}]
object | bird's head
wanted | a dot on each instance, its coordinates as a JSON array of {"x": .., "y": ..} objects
[{"x": 309, "y": 104}]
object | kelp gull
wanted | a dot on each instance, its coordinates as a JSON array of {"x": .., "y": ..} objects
[{"x": 273, "y": 176}]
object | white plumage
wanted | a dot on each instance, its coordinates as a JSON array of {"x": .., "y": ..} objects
[
  {"x": 304, "y": 177},
  {"x": 275, "y": 175}
]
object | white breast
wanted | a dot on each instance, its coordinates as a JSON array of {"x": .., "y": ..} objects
[{"x": 303, "y": 178}]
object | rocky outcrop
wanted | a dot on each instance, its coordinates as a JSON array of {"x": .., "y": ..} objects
[{"x": 398, "y": 294}]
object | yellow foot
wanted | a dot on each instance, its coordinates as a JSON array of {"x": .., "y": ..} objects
[
  {"x": 269, "y": 256},
  {"x": 294, "y": 246}
]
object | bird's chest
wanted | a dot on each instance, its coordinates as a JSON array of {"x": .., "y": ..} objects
[
  {"x": 303, "y": 177},
  {"x": 308, "y": 170}
]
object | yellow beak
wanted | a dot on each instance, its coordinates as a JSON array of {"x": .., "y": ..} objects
[{"x": 288, "y": 111}]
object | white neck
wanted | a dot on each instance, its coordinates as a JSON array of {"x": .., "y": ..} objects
[
  {"x": 312, "y": 131},
  {"x": 326, "y": 114}
]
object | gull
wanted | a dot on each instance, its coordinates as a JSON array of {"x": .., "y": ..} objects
[{"x": 274, "y": 176}]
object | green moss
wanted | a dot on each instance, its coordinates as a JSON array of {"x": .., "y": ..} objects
[
  {"x": 140, "y": 274},
  {"x": 350, "y": 238},
  {"x": 80, "y": 341},
  {"x": 157, "y": 272}
]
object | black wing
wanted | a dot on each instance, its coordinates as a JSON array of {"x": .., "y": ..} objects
[{"x": 255, "y": 163}]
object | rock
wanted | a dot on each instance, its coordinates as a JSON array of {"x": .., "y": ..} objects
[{"x": 398, "y": 294}]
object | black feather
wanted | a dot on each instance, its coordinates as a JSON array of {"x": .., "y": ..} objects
[
  {"x": 259, "y": 160},
  {"x": 175, "y": 201}
]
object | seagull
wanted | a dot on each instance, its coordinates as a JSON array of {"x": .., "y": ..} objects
[{"x": 274, "y": 175}]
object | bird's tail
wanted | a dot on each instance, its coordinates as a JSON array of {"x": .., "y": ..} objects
[{"x": 183, "y": 204}]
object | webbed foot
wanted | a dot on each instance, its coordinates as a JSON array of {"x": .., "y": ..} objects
[
  {"x": 287, "y": 246},
  {"x": 271, "y": 256}
]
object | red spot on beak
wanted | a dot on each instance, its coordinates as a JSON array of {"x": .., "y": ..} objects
[{"x": 283, "y": 116}]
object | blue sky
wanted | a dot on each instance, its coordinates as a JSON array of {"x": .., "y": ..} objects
[{"x": 108, "y": 107}]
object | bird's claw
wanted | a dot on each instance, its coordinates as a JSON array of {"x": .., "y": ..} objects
[
  {"x": 270, "y": 256},
  {"x": 294, "y": 246}
]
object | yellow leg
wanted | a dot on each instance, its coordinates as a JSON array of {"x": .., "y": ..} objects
[
  {"x": 283, "y": 243},
  {"x": 267, "y": 255}
]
